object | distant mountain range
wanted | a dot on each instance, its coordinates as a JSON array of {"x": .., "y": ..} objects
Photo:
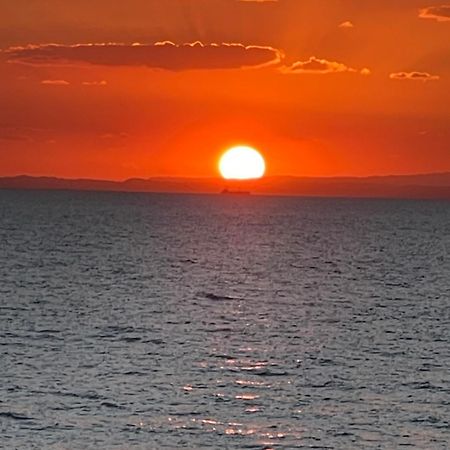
[{"x": 426, "y": 186}]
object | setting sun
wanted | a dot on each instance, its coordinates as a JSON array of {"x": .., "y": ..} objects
[{"x": 242, "y": 163}]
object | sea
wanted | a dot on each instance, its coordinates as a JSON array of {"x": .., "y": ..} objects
[{"x": 153, "y": 321}]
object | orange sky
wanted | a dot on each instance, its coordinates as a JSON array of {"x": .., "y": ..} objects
[{"x": 321, "y": 87}]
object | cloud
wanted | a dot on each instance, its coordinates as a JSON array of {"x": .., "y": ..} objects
[
  {"x": 160, "y": 55},
  {"x": 439, "y": 13},
  {"x": 418, "y": 76},
  {"x": 120, "y": 135},
  {"x": 94, "y": 83},
  {"x": 13, "y": 137},
  {"x": 346, "y": 24},
  {"x": 320, "y": 66},
  {"x": 55, "y": 82},
  {"x": 16, "y": 133}
]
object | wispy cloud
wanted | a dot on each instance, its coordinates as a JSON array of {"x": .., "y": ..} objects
[
  {"x": 439, "y": 13},
  {"x": 346, "y": 24},
  {"x": 55, "y": 82},
  {"x": 320, "y": 66},
  {"x": 417, "y": 76},
  {"x": 94, "y": 83}
]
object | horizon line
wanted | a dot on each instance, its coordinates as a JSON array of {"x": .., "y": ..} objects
[{"x": 218, "y": 177}]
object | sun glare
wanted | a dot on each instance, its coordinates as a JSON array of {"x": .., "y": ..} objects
[{"x": 242, "y": 163}]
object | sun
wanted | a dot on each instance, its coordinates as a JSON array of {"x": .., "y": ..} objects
[{"x": 242, "y": 163}]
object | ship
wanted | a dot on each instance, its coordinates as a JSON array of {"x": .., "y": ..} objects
[{"x": 227, "y": 191}]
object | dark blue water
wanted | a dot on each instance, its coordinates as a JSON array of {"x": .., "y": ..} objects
[{"x": 132, "y": 321}]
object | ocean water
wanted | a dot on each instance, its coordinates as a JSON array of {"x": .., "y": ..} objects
[{"x": 138, "y": 321}]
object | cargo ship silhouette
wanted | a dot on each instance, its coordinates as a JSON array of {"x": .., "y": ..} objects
[{"x": 227, "y": 191}]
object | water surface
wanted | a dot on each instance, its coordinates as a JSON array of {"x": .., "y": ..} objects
[{"x": 137, "y": 321}]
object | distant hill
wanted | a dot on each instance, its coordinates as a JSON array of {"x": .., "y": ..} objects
[{"x": 426, "y": 186}]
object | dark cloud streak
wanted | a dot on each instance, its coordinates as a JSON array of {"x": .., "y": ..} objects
[{"x": 160, "y": 55}]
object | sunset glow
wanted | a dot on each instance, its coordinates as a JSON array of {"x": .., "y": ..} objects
[
  {"x": 152, "y": 88},
  {"x": 242, "y": 163}
]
